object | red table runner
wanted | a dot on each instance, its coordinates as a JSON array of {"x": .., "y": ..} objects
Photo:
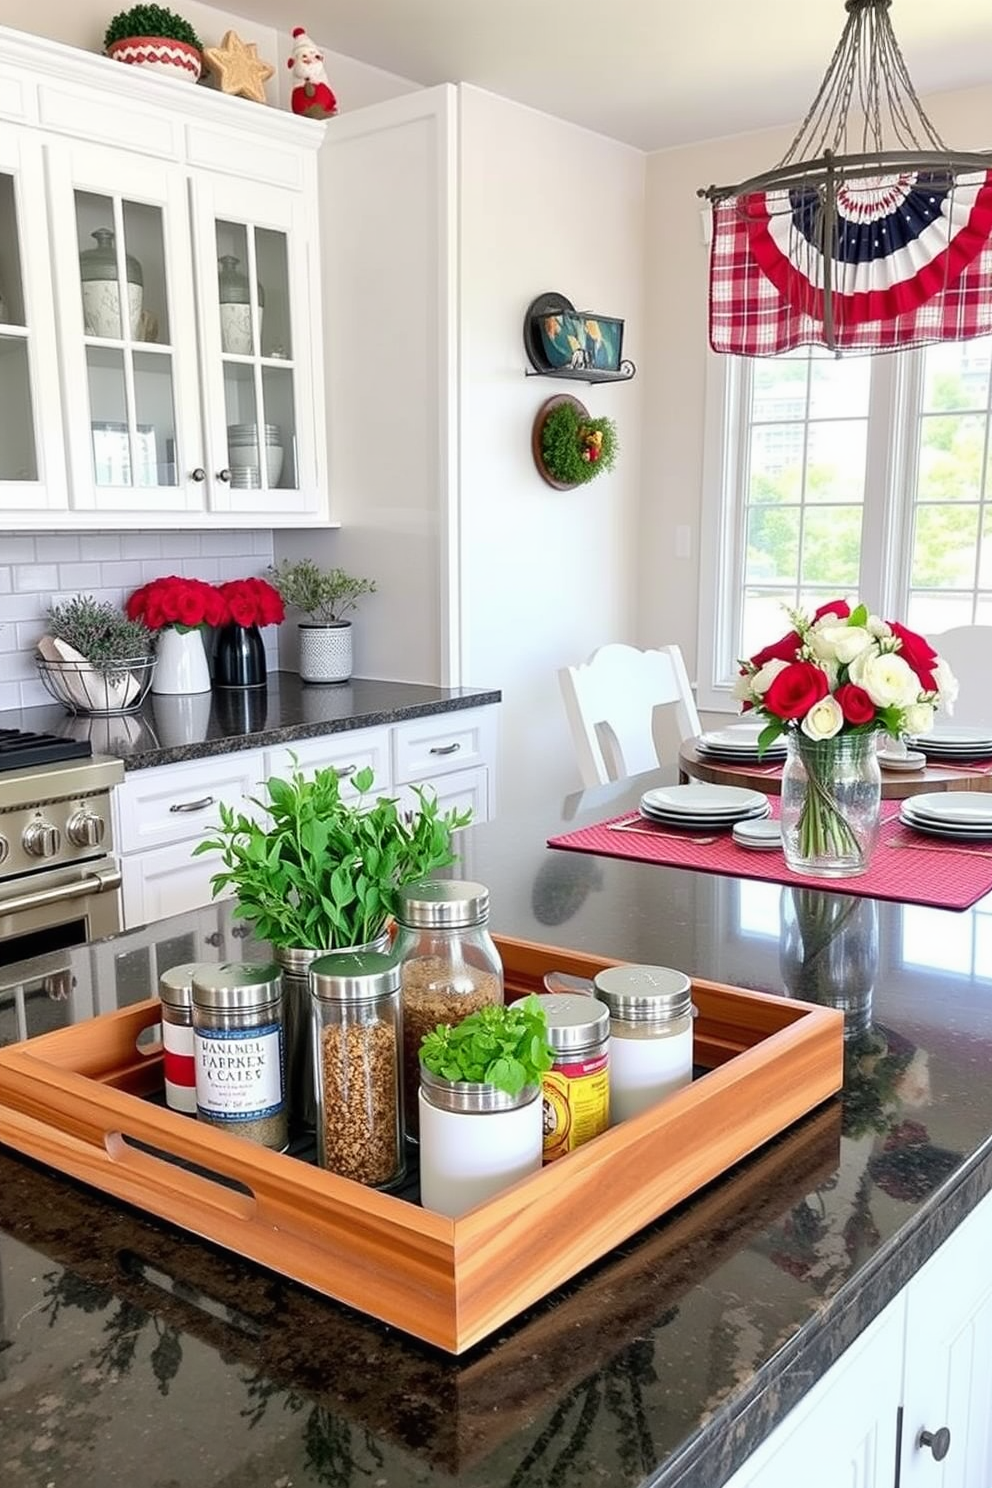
[{"x": 941, "y": 874}]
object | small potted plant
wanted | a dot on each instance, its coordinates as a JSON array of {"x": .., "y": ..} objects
[
  {"x": 313, "y": 872},
  {"x": 156, "y": 38},
  {"x": 481, "y": 1111},
  {"x": 94, "y": 659},
  {"x": 327, "y": 596}
]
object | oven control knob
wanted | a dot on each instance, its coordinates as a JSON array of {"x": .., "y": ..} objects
[
  {"x": 4, "y": 847},
  {"x": 85, "y": 829},
  {"x": 41, "y": 839}
]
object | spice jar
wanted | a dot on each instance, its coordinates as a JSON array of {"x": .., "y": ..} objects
[
  {"x": 450, "y": 966},
  {"x": 651, "y": 1015},
  {"x": 175, "y": 990},
  {"x": 238, "y": 1050},
  {"x": 576, "y": 1088},
  {"x": 358, "y": 1044}
]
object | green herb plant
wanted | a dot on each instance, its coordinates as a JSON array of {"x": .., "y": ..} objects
[
  {"x": 326, "y": 595},
  {"x": 563, "y": 437},
  {"x": 99, "y": 632},
  {"x": 505, "y": 1046},
  {"x": 150, "y": 20},
  {"x": 315, "y": 872}
]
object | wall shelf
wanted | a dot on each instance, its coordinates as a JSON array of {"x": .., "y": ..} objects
[{"x": 553, "y": 303}]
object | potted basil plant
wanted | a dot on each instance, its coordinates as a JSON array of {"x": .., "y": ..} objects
[
  {"x": 326, "y": 596},
  {"x": 313, "y": 872},
  {"x": 481, "y": 1112}
]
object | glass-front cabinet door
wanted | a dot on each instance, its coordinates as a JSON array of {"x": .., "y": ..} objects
[
  {"x": 129, "y": 333},
  {"x": 32, "y": 460},
  {"x": 258, "y": 321}
]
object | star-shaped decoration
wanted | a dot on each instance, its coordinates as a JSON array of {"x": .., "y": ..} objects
[{"x": 237, "y": 67}]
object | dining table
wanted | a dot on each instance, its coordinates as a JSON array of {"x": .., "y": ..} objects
[{"x": 766, "y": 775}]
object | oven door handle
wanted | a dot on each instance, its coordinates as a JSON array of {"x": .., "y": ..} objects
[{"x": 103, "y": 881}]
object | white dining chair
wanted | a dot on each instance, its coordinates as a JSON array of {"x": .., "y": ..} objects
[
  {"x": 611, "y": 702},
  {"x": 967, "y": 649}
]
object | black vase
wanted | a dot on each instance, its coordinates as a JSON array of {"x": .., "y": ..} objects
[{"x": 239, "y": 659}]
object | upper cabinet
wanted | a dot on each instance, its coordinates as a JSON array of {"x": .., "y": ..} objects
[{"x": 160, "y": 333}]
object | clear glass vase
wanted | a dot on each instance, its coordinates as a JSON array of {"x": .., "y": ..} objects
[{"x": 831, "y": 793}]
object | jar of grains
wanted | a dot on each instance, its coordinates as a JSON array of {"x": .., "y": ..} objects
[
  {"x": 358, "y": 1044},
  {"x": 449, "y": 966},
  {"x": 238, "y": 1050},
  {"x": 175, "y": 990},
  {"x": 651, "y": 1015}
]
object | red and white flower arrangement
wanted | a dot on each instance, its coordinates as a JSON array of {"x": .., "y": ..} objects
[
  {"x": 251, "y": 602},
  {"x": 845, "y": 671},
  {"x": 184, "y": 604}
]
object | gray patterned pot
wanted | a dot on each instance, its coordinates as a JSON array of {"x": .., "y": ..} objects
[{"x": 325, "y": 652}]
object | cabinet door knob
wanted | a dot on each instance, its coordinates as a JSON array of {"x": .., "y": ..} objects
[
  {"x": 199, "y": 474},
  {"x": 224, "y": 475},
  {"x": 939, "y": 1442}
]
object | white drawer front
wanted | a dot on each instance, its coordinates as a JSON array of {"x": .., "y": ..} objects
[
  {"x": 424, "y": 748},
  {"x": 459, "y": 789},
  {"x": 180, "y": 803},
  {"x": 348, "y": 752}
]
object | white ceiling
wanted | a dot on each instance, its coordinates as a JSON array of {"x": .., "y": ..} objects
[{"x": 656, "y": 73}]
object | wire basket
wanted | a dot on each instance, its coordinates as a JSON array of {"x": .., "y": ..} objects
[{"x": 115, "y": 688}]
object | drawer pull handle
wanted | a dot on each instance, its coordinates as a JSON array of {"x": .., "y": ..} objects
[
  {"x": 939, "y": 1442},
  {"x": 445, "y": 749},
  {"x": 345, "y": 770},
  {"x": 200, "y": 805}
]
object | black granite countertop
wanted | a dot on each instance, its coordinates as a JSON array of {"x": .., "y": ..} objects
[
  {"x": 190, "y": 726},
  {"x": 132, "y": 1353}
]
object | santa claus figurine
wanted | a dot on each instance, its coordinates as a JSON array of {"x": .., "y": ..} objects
[{"x": 311, "y": 94}]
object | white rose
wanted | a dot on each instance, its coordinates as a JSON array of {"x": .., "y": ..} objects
[
  {"x": 947, "y": 685},
  {"x": 878, "y": 628},
  {"x": 741, "y": 689},
  {"x": 918, "y": 718},
  {"x": 824, "y": 719},
  {"x": 765, "y": 676},
  {"x": 887, "y": 679},
  {"x": 841, "y": 643}
]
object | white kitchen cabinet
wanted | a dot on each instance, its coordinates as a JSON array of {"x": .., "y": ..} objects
[
  {"x": 930, "y": 1353},
  {"x": 357, "y": 749},
  {"x": 197, "y": 213}
]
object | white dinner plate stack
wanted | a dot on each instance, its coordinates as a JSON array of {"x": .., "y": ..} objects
[
  {"x": 738, "y": 744},
  {"x": 952, "y": 742},
  {"x": 713, "y": 808},
  {"x": 964, "y": 815}
]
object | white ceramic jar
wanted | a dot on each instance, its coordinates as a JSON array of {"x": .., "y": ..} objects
[
  {"x": 651, "y": 1015},
  {"x": 475, "y": 1141}
]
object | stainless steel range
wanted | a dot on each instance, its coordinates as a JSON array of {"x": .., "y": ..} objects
[{"x": 59, "y": 880}]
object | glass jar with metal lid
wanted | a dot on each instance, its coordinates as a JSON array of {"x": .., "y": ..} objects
[
  {"x": 358, "y": 1045},
  {"x": 576, "y": 1088},
  {"x": 651, "y": 1015},
  {"x": 449, "y": 966},
  {"x": 238, "y": 1049},
  {"x": 175, "y": 990}
]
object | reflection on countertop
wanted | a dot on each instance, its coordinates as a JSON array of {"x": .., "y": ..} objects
[
  {"x": 124, "y": 1342},
  {"x": 168, "y": 729}
]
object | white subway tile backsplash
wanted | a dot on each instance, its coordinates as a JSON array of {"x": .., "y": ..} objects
[
  {"x": 83, "y": 577},
  {"x": 36, "y": 572},
  {"x": 35, "y": 578}
]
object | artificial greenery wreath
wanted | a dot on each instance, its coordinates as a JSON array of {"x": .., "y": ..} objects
[
  {"x": 575, "y": 447},
  {"x": 150, "y": 20}
]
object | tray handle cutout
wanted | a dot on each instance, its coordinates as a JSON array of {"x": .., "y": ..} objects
[{"x": 226, "y": 1195}]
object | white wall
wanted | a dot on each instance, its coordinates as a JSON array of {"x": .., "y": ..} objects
[{"x": 676, "y": 331}]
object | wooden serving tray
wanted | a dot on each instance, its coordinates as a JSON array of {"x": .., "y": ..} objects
[{"x": 73, "y": 1099}]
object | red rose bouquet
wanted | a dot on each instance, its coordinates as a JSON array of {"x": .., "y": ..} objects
[
  {"x": 251, "y": 602},
  {"x": 185, "y": 604}
]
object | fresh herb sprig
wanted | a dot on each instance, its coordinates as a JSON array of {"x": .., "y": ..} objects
[
  {"x": 318, "y": 873},
  {"x": 505, "y": 1046}
]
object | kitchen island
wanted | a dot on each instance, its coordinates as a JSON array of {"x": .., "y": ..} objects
[{"x": 132, "y": 1353}]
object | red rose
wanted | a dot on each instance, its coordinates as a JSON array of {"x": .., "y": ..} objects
[
  {"x": 135, "y": 607},
  {"x": 919, "y": 653},
  {"x": 796, "y": 688},
  {"x": 838, "y": 607},
  {"x": 855, "y": 704},
  {"x": 783, "y": 650}
]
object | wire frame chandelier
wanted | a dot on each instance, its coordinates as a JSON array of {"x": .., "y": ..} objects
[{"x": 870, "y": 234}]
